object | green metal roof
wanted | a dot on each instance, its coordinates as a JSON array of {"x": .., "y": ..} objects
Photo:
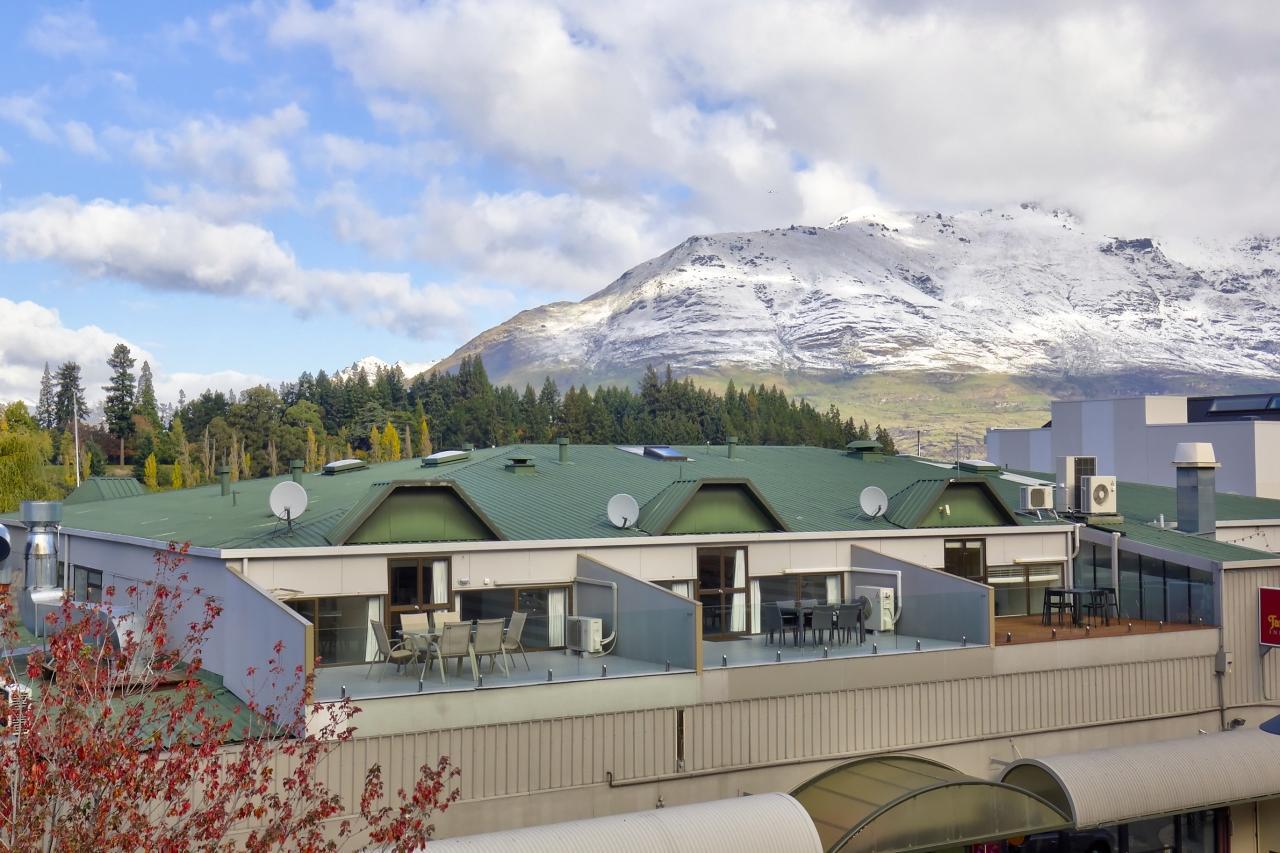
[
  {"x": 1184, "y": 543},
  {"x": 105, "y": 489},
  {"x": 914, "y": 504},
  {"x": 808, "y": 489},
  {"x": 657, "y": 516}
]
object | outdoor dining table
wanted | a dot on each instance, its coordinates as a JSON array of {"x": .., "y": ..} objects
[{"x": 1076, "y": 594}]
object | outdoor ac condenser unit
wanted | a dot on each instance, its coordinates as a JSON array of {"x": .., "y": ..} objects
[
  {"x": 1098, "y": 494},
  {"x": 1036, "y": 498},
  {"x": 584, "y": 634},
  {"x": 1071, "y": 469},
  {"x": 880, "y": 615}
]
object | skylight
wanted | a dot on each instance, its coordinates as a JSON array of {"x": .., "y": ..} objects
[
  {"x": 444, "y": 457},
  {"x": 664, "y": 452}
]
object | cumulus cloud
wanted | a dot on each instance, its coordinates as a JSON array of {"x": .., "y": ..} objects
[
  {"x": 564, "y": 243},
  {"x": 337, "y": 153},
  {"x": 169, "y": 249},
  {"x": 230, "y": 167},
  {"x": 69, "y": 32},
  {"x": 31, "y": 335},
  {"x": 1140, "y": 115}
]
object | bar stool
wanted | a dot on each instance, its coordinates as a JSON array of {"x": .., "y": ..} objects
[{"x": 1055, "y": 600}]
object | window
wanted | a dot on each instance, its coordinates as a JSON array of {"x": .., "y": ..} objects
[
  {"x": 545, "y": 609},
  {"x": 722, "y": 590},
  {"x": 823, "y": 588},
  {"x": 964, "y": 558},
  {"x": 342, "y": 632},
  {"x": 415, "y": 584},
  {"x": 86, "y": 584}
]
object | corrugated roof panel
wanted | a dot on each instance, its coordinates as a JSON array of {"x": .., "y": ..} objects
[{"x": 1126, "y": 783}]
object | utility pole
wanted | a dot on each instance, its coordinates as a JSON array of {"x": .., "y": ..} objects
[
  {"x": 918, "y": 443},
  {"x": 75, "y": 422}
]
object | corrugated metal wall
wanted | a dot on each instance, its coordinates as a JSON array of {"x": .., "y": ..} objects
[
  {"x": 1244, "y": 685},
  {"x": 524, "y": 757}
]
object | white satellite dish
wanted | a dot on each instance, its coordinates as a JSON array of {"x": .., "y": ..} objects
[
  {"x": 288, "y": 501},
  {"x": 623, "y": 511},
  {"x": 873, "y": 501}
]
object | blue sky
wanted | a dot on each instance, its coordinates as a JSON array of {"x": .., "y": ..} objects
[{"x": 245, "y": 191}]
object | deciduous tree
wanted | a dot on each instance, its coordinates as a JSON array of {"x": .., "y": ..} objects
[
  {"x": 122, "y": 746},
  {"x": 149, "y": 471}
]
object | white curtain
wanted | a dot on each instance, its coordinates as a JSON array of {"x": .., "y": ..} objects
[
  {"x": 848, "y": 586},
  {"x": 682, "y": 588},
  {"x": 370, "y": 641},
  {"x": 833, "y": 589},
  {"x": 738, "y": 611},
  {"x": 440, "y": 582},
  {"x": 556, "y": 601},
  {"x": 755, "y": 606}
]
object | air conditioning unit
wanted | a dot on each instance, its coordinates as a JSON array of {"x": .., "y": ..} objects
[
  {"x": 879, "y": 617},
  {"x": 1036, "y": 498},
  {"x": 1070, "y": 470},
  {"x": 584, "y": 634},
  {"x": 1098, "y": 494},
  {"x": 18, "y": 708}
]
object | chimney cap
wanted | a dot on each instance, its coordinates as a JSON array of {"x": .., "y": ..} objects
[
  {"x": 1195, "y": 454},
  {"x": 297, "y": 463},
  {"x": 562, "y": 440}
]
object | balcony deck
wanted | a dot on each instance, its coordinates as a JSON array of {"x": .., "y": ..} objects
[
  {"x": 384, "y": 680},
  {"x": 755, "y": 650},
  {"x": 1014, "y": 630}
]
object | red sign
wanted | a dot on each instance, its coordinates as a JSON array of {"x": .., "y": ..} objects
[{"x": 1269, "y": 616}]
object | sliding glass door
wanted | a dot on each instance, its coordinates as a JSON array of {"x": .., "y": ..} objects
[
  {"x": 723, "y": 583},
  {"x": 545, "y": 608}
]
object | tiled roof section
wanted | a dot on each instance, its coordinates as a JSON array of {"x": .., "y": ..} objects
[{"x": 105, "y": 489}]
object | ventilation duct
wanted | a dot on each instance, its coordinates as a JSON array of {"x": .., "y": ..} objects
[
  {"x": 296, "y": 467},
  {"x": 41, "y": 593},
  {"x": 1197, "y": 475}
]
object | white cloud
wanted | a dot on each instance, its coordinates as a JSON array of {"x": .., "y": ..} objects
[
  {"x": 80, "y": 138},
  {"x": 403, "y": 116},
  {"x": 193, "y": 384},
  {"x": 1141, "y": 115},
  {"x": 168, "y": 249},
  {"x": 29, "y": 113},
  {"x": 564, "y": 243},
  {"x": 4, "y": 157},
  {"x": 231, "y": 167},
  {"x": 32, "y": 334},
  {"x": 71, "y": 32},
  {"x": 337, "y": 153}
]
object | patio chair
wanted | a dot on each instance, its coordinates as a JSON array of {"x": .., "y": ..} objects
[
  {"x": 488, "y": 642},
  {"x": 1057, "y": 601},
  {"x": 850, "y": 620},
  {"x": 824, "y": 621},
  {"x": 771, "y": 619},
  {"x": 454, "y": 643},
  {"x": 412, "y": 624},
  {"x": 397, "y": 653},
  {"x": 511, "y": 642},
  {"x": 440, "y": 618},
  {"x": 791, "y": 618},
  {"x": 1101, "y": 602}
]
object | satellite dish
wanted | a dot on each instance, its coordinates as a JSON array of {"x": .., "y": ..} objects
[
  {"x": 288, "y": 501},
  {"x": 873, "y": 501},
  {"x": 4, "y": 544},
  {"x": 623, "y": 511}
]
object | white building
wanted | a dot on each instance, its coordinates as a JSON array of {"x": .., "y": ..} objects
[{"x": 1135, "y": 438}]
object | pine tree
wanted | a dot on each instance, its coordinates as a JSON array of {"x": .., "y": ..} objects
[
  {"x": 406, "y": 449},
  {"x": 46, "y": 413},
  {"x": 390, "y": 443},
  {"x": 69, "y": 398},
  {"x": 118, "y": 405},
  {"x": 146, "y": 396},
  {"x": 149, "y": 472}
]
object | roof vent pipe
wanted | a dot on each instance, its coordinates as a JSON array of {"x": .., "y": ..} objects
[
  {"x": 563, "y": 444},
  {"x": 42, "y": 593},
  {"x": 732, "y": 442},
  {"x": 1196, "y": 466},
  {"x": 296, "y": 467},
  {"x": 224, "y": 478}
]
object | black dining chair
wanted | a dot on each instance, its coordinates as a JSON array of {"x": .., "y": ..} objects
[
  {"x": 1101, "y": 602},
  {"x": 824, "y": 622},
  {"x": 771, "y": 620},
  {"x": 850, "y": 620},
  {"x": 1055, "y": 601},
  {"x": 791, "y": 618}
]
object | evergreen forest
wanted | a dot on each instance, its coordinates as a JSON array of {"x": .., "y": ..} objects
[{"x": 319, "y": 418}]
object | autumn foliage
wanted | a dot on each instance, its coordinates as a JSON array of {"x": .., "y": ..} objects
[{"x": 122, "y": 745}]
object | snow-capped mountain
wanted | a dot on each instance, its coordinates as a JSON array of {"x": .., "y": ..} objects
[
  {"x": 371, "y": 364},
  {"x": 1024, "y": 291}
]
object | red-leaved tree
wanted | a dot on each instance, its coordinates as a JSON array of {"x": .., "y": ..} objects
[{"x": 116, "y": 739}]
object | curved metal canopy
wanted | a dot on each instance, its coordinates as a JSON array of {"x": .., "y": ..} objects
[
  {"x": 905, "y": 803},
  {"x": 1120, "y": 784}
]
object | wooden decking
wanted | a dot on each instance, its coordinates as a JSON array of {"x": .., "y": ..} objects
[{"x": 1027, "y": 629}]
